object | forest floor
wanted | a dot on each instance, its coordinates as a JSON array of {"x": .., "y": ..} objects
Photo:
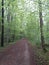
[{"x": 23, "y": 53}]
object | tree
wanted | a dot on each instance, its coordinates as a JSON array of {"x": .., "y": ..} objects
[
  {"x": 2, "y": 33},
  {"x": 41, "y": 26}
]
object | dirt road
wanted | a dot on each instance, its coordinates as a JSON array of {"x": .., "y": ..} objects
[{"x": 20, "y": 53}]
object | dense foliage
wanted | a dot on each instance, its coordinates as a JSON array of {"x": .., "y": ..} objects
[{"x": 21, "y": 19}]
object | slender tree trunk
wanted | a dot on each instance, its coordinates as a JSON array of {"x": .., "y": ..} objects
[
  {"x": 8, "y": 20},
  {"x": 41, "y": 26},
  {"x": 2, "y": 33},
  {"x": 8, "y": 32}
]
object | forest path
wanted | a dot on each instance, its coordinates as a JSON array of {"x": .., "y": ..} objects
[{"x": 21, "y": 53}]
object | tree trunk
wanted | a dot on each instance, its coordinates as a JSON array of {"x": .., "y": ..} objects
[
  {"x": 2, "y": 33},
  {"x": 41, "y": 26},
  {"x": 8, "y": 32}
]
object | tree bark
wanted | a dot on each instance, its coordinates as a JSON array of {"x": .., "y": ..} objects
[
  {"x": 41, "y": 26},
  {"x": 2, "y": 33}
]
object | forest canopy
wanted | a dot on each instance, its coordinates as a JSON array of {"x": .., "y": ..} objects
[{"x": 22, "y": 19}]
